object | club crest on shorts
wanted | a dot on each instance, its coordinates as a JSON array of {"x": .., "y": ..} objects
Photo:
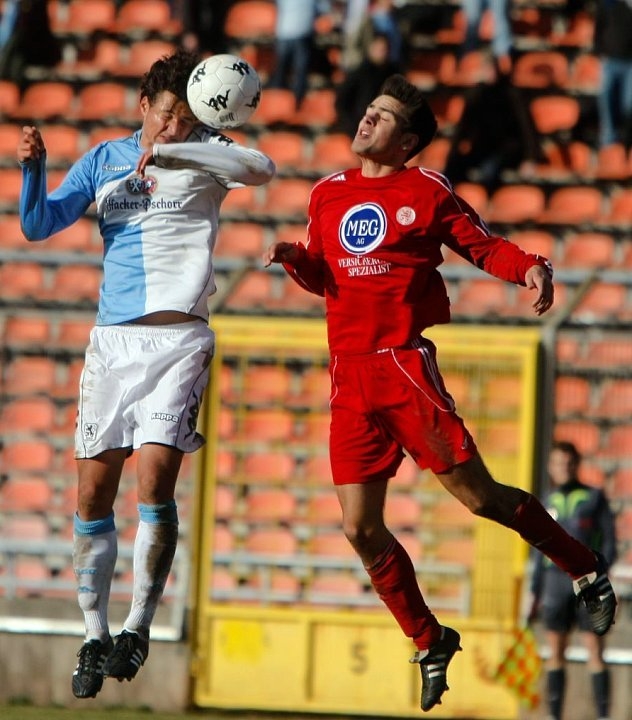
[
  {"x": 90, "y": 431},
  {"x": 362, "y": 228}
]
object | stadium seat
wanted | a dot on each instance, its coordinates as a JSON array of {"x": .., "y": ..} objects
[
  {"x": 585, "y": 74},
  {"x": 267, "y": 426},
  {"x": 269, "y": 467},
  {"x": 63, "y": 142},
  {"x": 25, "y": 375},
  {"x": 429, "y": 67},
  {"x": 610, "y": 352},
  {"x": 10, "y": 136},
  {"x": 604, "y": 301},
  {"x": 474, "y": 195},
  {"x": 316, "y": 428},
  {"x": 615, "y": 401},
  {"x": 619, "y": 212},
  {"x": 239, "y": 202},
  {"x": 573, "y": 205},
  {"x": 572, "y": 396},
  {"x": 142, "y": 54},
  {"x": 317, "y": 110},
  {"x": 109, "y": 132},
  {"x": 224, "y": 502},
  {"x": 317, "y": 470},
  {"x": 267, "y": 384},
  {"x": 67, "y": 387},
  {"x": 254, "y": 290},
  {"x": 449, "y": 513},
  {"x": 287, "y": 198},
  {"x": 618, "y": 442},
  {"x": 565, "y": 160},
  {"x": 27, "y": 416},
  {"x": 333, "y": 587},
  {"x": 225, "y": 465},
  {"x": 22, "y": 280},
  {"x": 11, "y": 235},
  {"x": 275, "y": 581},
  {"x": 28, "y": 455},
  {"x": 45, "y": 101},
  {"x": 223, "y": 539},
  {"x": 277, "y": 505},
  {"x": 447, "y": 109},
  {"x": 9, "y": 98},
  {"x": 223, "y": 582},
  {"x": 612, "y": 163},
  {"x": 76, "y": 283},
  {"x": 32, "y": 577},
  {"x": 10, "y": 184},
  {"x": 433, "y": 156},
  {"x": 332, "y": 152},
  {"x": 278, "y": 541},
  {"x": 516, "y": 204},
  {"x": 240, "y": 240},
  {"x": 583, "y": 434},
  {"x": 315, "y": 388},
  {"x": 77, "y": 237},
  {"x": 25, "y": 331},
  {"x": 86, "y": 16},
  {"x": 460, "y": 551},
  {"x": 579, "y": 32},
  {"x": 74, "y": 334},
  {"x": 277, "y": 105},
  {"x": 537, "y": 242},
  {"x": 102, "y": 101},
  {"x": 331, "y": 544},
  {"x": 402, "y": 510},
  {"x": 299, "y": 300},
  {"x": 324, "y": 509},
  {"x": 502, "y": 395},
  {"x": 253, "y": 20},
  {"x": 26, "y": 494},
  {"x": 541, "y": 69},
  {"x": 481, "y": 298},
  {"x": 554, "y": 113},
  {"x": 285, "y": 147},
  {"x": 622, "y": 484},
  {"x": 146, "y": 16},
  {"x": 589, "y": 250}
]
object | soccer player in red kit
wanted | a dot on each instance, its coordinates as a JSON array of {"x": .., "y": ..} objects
[{"x": 373, "y": 247}]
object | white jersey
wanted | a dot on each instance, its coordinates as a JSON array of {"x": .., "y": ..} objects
[{"x": 159, "y": 230}]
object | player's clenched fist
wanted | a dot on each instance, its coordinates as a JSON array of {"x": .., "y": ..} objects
[
  {"x": 31, "y": 145},
  {"x": 281, "y": 252}
]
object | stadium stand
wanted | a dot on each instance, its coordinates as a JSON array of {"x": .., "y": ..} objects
[{"x": 576, "y": 210}]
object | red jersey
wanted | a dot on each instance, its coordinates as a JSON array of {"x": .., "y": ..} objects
[{"x": 373, "y": 249}]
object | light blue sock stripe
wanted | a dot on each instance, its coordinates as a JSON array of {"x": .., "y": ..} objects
[
  {"x": 93, "y": 527},
  {"x": 158, "y": 514}
]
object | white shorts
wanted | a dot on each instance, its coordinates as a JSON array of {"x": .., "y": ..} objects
[{"x": 143, "y": 384}]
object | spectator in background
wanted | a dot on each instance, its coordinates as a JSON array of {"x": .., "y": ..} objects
[
  {"x": 502, "y": 40},
  {"x": 26, "y": 39},
  {"x": 361, "y": 84},
  {"x": 613, "y": 44},
  {"x": 584, "y": 512},
  {"x": 495, "y": 132},
  {"x": 366, "y": 18},
  {"x": 203, "y": 25},
  {"x": 295, "y": 32}
]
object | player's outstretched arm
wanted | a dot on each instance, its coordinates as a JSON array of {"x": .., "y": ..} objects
[
  {"x": 31, "y": 145},
  {"x": 538, "y": 278}
]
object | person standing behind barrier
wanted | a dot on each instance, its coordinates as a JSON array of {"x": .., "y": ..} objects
[
  {"x": 585, "y": 513},
  {"x": 502, "y": 40},
  {"x": 613, "y": 44},
  {"x": 295, "y": 31},
  {"x": 158, "y": 194},
  {"x": 374, "y": 239}
]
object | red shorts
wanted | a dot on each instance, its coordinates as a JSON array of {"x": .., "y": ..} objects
[{"x": 387, "y": 402}]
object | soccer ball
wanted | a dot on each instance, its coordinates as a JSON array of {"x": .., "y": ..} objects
[{"x": 223, "y": 91}]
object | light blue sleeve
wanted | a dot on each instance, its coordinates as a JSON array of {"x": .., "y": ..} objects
[{"x": 42, "y": 215}]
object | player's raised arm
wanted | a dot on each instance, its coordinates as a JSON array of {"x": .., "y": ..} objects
[{"x": 31, "y": 145}]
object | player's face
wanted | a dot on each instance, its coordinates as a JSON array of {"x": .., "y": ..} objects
[
  {"x": 382, "y": 131},
  {"x": 167, "y": 120},
  {"x": 562, "y": 467}
]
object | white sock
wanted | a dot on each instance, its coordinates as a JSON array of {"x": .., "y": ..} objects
[
  {"x": 93, "y": 559},
  {"x": 154, "y": 549}
]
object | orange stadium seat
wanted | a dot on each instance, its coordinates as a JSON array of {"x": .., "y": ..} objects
[
  {"x": 267, "y": 384},
  {"x": 26, "y": 494},
  {"x": 618, "y": 442},
  {"x": 21, "y": 330},
  {"x": 267, "y": 505},
  {"x": 428, "y": 67},
  {"x": 251, "y": 20},
  {"x": 616, "y": 399},
  {"x": 102, "y": 101},
  {"x": 9, "y": 97},
  {"x": 620, "y": 210},
  {"x": 287, "y": 197},
  {"x": 26, "y": 374},
  {"x": 240, "y": 201},
  {"x": 63, "y": 142},
  {"x": 224, "y": 502},
  {"x": 474, "y": 195},
  {"x": 77, "y": 237},
  {"x": 269, "y": 467},
  {"x": 253, "y": 291},
  {"x": 333, "y": 586},
  {"x": 223, "y": 539},
  {"x": 315, "y": 386},
  {"x": 74, "y": 283},
  {"x": 46, "y": 100},
  {"x": 402, "y": 511},
  {"x": 331, "y": 544},
  {"x": 537, "y": 242},
  {"x": 141, "y": 55},
  {"x": 11, "y": 235},
  {"x": 554, "y": 113},
  {"x": 110, "y": 132},
  {"x": 433, "y": 156},
  {"x": 612, "y": 163},
  {"x": 316, "y": 429},
  {"x": 268, "y": 426},
  {"x": 481, "y": 297},
  {"x": 573, "y": 205},
  {"x": 22, "y": 280},
  {"x": 317, "y": 109},
  {"x": 317, "y": 470},
  {"x": 277, "y": 105},
  {"x": 516, "y": 204},
  {"x": 27, "y": 415},
  {"x": 572, "y": 396},
  {"x": 10, "y": 184},
  {"x": 589, "y": 250},
  {"x": 332, "y": 152},
  {"x": 10, "y": 136},
  {"x": 74, "y": 334},
  {"x": 275, "y": 580},
  {"x": 28, "y": 455},
  {"x": 145, "y": 15},
  {"x": 585, "y": 74},
  {"x": 579, "y": 32},
  {"x": 622, "y": 484},
  {"x": 241, "y": 240},
  {"x": 324, "y": 509},
  {"x": 285, "y": 147},
  {"x": 604, "y": 301},
  {"x": 272, "y": 542},
  {"x": 86, "y": 16}
]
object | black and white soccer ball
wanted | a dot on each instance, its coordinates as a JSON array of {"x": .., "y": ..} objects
[{"x": 223, "y": 91}]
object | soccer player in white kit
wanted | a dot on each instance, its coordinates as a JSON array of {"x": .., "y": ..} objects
[{"x": 158, "y": 194}]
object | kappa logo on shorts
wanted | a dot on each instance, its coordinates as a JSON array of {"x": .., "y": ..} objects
[
  {"x": 90, "y": 431},
  {"x": 169, "y": 417},
  {"x": 362, "y": 228}
]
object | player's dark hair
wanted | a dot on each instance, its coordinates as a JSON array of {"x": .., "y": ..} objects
[
  {"x": 568, "y": 448},
  {"x": 418, "y": 115},
  {"x": 169, "y": 73}
]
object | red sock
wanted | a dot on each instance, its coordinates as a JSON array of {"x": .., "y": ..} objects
[
  {"x": 393, "y": 577},
  {"x": 538, "y": 528}
]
